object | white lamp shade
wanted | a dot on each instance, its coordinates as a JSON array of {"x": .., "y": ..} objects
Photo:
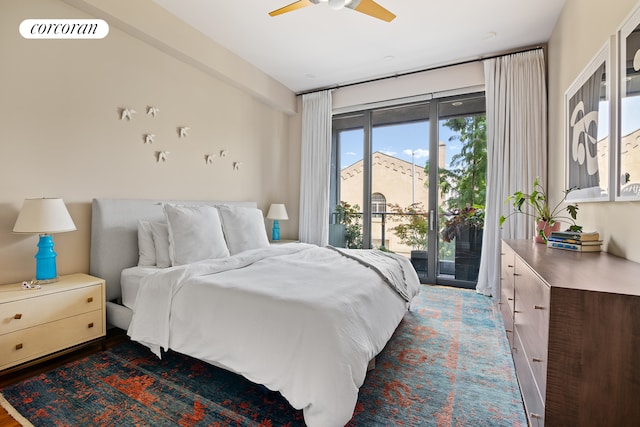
[
  {"x": 43, "y": 216},
  {"x": 277, "y": 211}
]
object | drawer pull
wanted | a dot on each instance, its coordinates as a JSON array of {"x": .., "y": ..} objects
[
  {"x": 508, "y": 330},
  {"x": 517, "y": 275},
  {"x": 534, "y": 415},
  {"x": 535, "y": 359},
  {"x": 18, "y": 346},
  {"x": 538, "y": 307},
  {"x": 90, "y": 325},
  {"x": 90, "y": 299},
  {"x": 509, "y": 265},
  {"x": 509, "y": 299},
  {"x": 18, "y": 316}
]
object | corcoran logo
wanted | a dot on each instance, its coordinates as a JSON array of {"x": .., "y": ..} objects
[{"x": 64, "y": 29}]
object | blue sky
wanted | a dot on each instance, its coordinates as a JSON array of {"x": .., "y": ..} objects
[
  {"x": 400, "y": 140},
  {"x": 397, "y": 141}
]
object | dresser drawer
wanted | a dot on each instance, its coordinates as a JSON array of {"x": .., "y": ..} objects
[
  {"x": 507, "y": 270},
  {"x": 43, "y": 308},
  {"x": 30, "y": 343},
  {"x": 533, "y": 402},
  {"x": 531, "y": 320},
  {"x": 507, "y": 318}
]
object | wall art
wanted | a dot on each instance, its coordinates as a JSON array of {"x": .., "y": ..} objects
[
  {"x": 628, "y": 149},
  {"x": 588, "y": 131},
  {"x": 152, "y": 111},
  {"x": 126, "y": 113}
]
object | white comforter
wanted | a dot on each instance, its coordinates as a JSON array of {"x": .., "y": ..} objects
[{"x": 297, "y": 318}]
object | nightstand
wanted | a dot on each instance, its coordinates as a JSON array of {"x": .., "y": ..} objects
[
  {"x": 39, "y": 322},
  {"x": 282, "y": 242}
]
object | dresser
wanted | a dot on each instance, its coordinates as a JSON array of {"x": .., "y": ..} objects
[
  {"x": 573, "y": 322},
  {"x": 40, "y": 322}
]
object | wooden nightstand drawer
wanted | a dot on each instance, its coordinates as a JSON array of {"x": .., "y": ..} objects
[
  {"x": 30, "y": 343},
  {"x": 38, "y": 322},
  {"x": 43, "y": 307}
]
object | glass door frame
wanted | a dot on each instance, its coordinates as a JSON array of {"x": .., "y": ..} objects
[{"x": 363, "y": 119}]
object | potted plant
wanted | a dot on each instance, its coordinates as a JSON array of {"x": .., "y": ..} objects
[
  {"x": 465, "y": 226},
  {"x": 413, "y": 231},
  {"x": 547, "y": 219}
]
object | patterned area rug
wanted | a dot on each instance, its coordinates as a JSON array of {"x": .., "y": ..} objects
[{"x": 447, "y": 364}]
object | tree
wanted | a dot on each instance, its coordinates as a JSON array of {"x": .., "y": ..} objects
[{"x": 464, "y": 181}]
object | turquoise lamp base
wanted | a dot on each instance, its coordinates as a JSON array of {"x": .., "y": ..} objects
[
  {"x": 275, "y": 232},
  {"x": 46, "y": 271}
]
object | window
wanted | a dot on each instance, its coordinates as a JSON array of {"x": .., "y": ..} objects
[{"x": 378, "y": 203}]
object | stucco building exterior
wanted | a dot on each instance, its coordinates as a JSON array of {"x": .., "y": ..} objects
[{"x": 394, "y": 181}]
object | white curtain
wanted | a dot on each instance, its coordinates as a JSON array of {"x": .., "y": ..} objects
[
  {"x": 315, "y": 167},
  {"x": 516, "y": 151}
]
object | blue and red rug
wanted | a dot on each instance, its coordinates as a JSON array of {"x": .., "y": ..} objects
[{"x": 447, "y": 364}]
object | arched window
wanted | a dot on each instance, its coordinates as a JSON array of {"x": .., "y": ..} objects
[{"x": 378, "y": 203}]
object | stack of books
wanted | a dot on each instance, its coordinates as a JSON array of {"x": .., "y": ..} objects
[{"x": 577, "y": 242}]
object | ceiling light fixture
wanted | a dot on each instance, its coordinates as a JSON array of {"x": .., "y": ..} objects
[{"x": 338, "y": 4}]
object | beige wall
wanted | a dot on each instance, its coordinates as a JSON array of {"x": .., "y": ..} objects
[
  {"x": 60, "y": 133},
  {"x": 583, "y": 28}
]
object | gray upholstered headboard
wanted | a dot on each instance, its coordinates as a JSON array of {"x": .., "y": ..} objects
[{"x": 114, "y": 234}]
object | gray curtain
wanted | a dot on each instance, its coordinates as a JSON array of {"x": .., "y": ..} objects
[{"x": 516, "y": 151}]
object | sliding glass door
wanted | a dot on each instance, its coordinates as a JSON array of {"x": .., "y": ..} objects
[
  {"x": 461, "y": 196},
  {"x": 384, "y": 193}
]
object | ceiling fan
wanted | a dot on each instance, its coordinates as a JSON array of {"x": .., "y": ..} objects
[{"x": 368, "y": 7}]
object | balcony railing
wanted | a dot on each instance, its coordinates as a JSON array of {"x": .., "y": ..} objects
[{"x": 458, "y": 259}]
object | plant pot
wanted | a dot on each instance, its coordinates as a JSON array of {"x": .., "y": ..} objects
[
  {"x": 337, "y": 235},
  {"x": 468, "y": 249},
  {"x": 420, "y": 262},
  {"x": 542, "y": 225}
]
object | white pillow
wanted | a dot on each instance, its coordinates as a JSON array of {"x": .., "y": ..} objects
[
  {"x": 195, "y": 233},
  {"x": 243, "y": 228},
  {"x": 160, "y": 232},
  {"x": 146, "y": 248}
]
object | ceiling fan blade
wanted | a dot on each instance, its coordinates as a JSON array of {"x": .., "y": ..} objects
[
  {"x": 291, "y": 7},
  {"x": 371, "y": 8}
]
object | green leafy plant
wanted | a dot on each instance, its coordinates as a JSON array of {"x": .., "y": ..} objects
[
  {"x": 542, "y": 211},
  {"x": 462, "y": 219},
  {"x": 414, "y": 226}
]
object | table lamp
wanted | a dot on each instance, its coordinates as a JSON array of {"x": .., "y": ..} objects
[
  {"x": 44, "y": 216},
  {"x": 277, "y": 212}
]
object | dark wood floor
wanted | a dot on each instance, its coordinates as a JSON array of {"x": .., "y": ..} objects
[{"x": 14, "y": 375}]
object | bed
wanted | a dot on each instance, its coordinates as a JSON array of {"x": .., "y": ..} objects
[{"x": 297, "y": 318}]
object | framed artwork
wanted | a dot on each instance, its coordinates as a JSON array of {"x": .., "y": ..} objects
[
  {"x": 588, "y": 131},
  {"x": 627, "y": 154}
]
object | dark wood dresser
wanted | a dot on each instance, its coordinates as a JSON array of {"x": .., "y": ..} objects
[{"x": 573, "y": 322}]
